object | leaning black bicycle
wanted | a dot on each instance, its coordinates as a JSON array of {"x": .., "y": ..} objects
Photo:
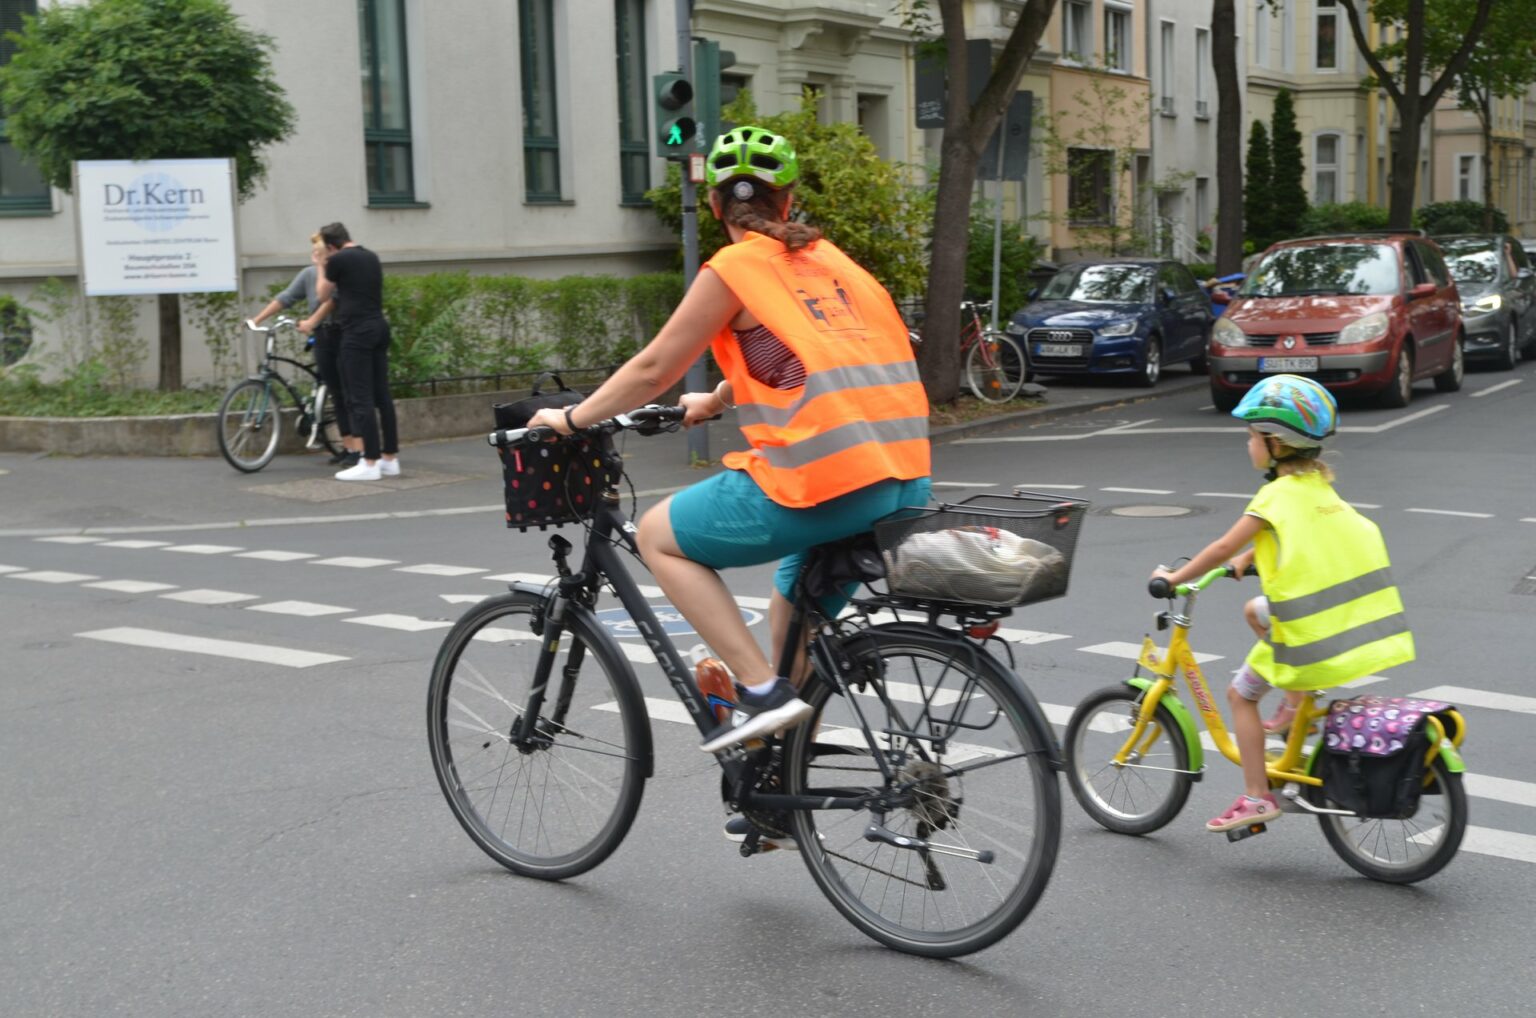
[
  {"x": 923, "y": 792},
  {"x": 251, "y": 415}
]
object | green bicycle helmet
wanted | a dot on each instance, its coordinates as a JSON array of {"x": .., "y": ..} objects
[
  {"x": 752, "y": 152},
  {"x": 1296, "y": 410}
]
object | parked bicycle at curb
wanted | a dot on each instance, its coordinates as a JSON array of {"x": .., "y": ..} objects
[
  {"x": 1393, "y": 814},
  {"x": 922, "y": 792},
  {"x": 994, "y": 363},
  {"x": 250, "y": 420}
]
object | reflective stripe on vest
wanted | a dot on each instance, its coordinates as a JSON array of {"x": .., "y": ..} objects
[{"x": 822, "y": 382}]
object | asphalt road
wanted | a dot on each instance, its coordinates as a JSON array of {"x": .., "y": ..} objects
[{"x": 194, "y": 833}]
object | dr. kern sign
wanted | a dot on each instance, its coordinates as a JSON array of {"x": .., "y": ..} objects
[{"x": 163, "y": 226}]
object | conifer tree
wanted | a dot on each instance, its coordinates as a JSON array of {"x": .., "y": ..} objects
[
  {"x": 1288, "y": 195},
  {"x": 1258, "y": 199}
]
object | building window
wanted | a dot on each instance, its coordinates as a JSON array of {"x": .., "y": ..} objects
[
  {"x": 1117, "y": 39},
  {"x": 1327, "y": 35},
  {"x": 1088, "y": 185},
  {"x": 386, "y": 102},
  {"x": 1165, "y": 100},
  {"x": 1202, "y": 73},
  {"x": 22, "y": 187},
  {"x": 1077, "y": 30},
  {"x": 634, "y": 134},
  {"x": 874, "y": 121},
  {"x": 1287, "y": 9},
  {"x": 541, "y": 136},
  {"x": 1467, "y": 188},
  {"x": 1325, "y": 169},
  {"x": 1202, "y": 202},
  {"x": 1262, "y": 12}
]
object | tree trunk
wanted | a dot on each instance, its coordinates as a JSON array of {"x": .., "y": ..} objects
[
  {"x": 1485, "y": 114},
  {"x": 1405, "y": 163},
  {"x": 1229, "y": 138},
  {"x": 170, "y": 342}
]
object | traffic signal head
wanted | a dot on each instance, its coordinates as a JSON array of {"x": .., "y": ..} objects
[{"x": 675, "y": 126}]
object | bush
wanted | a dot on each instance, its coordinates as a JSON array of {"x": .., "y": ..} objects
[
  {"x": 1446, "y": 217},
  {"x": 1020, "y": 253},
  {"x": 1343, "y": 217}
]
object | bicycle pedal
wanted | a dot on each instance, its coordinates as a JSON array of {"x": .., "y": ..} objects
[{"x": 1239, "y": 833}]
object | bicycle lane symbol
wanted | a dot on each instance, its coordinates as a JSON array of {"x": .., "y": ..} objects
[{"x": 619, "y": 624}]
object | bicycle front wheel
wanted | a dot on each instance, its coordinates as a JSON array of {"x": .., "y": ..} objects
[
  {"x": 250, "y": 424},
  {"x": 995, "y": 368},
  {"x": 327, "y": 427},
  {"x": 1408, "y": 850},
  {"x": 970, "y": 778},
  {"x": 551, "y": 795},
  {"x": 1148, "y": 790}
]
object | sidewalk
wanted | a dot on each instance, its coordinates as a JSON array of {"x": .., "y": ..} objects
[{"x": 45, "y": 495}]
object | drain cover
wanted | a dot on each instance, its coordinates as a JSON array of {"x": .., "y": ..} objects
[{"x": 1151, "y": 511}]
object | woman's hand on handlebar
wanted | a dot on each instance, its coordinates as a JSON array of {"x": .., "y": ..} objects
[
  {"x": 701, "y": 407},
  {"x": 553, "y": 419}
]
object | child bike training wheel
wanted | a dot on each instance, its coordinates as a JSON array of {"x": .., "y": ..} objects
[
  {"x": 250, "y": 424},
  {"x": 549, "y": 796},
  {"x": 1145, "y": 792},
  {"x": 971, "y": 785},
  {"x": 1407, "y": 850}
]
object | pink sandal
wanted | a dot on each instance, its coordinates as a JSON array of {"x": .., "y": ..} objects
[
  {"x": 1245, "y": 811},
  {"x": 1281, "y": 719}
]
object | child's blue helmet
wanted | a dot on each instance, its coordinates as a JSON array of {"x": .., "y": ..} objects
[{"x": 1296, "y": 410}]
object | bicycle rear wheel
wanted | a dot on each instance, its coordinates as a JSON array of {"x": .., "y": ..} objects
[
  {"x": 971, "y": 774},
  {"x": 1408, "y": 850},
  {"x": 560, "y": 802},
  {"x": 325, "y": 428},
  {"x": 995, "y": 367},
  {"x": 250, "y": 424}
]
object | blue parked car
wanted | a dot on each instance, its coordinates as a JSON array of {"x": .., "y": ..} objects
[{"x": 1125, "y": 317}]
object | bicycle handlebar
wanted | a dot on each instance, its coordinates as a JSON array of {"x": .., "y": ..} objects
[
  {"x": 1160, "y": 587},
  {"x": 281, "y": 322},
  {"x": 647, "y": 420}
]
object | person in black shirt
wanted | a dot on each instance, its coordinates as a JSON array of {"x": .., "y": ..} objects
[{"x": 353, "y": 279}]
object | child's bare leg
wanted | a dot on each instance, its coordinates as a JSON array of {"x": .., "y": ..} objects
[{"x": 1249, "y": 732}]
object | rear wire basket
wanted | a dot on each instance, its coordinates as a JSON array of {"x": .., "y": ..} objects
[{"x": 996, "y": 550}]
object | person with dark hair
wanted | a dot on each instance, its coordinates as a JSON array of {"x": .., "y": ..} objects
[
  {"x": 353, "y": 278},
  {"x": 819, "y": 368}
]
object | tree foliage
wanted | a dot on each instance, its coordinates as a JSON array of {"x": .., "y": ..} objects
[
  {"x": 864, "y": 204},
  {"x": 1258, "y": 199},
  {"x": 1448, "y": 217},
  {"x": 1343, "y": 217},
  {"x": 1288, "y": 193},
  {"x": 142, "y": 79}
]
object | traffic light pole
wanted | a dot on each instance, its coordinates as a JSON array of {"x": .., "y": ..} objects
[{"x": 697, "y": 379}]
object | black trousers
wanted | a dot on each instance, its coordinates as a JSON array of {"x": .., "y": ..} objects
[
  {"x": 328, "y": 362},
  {"x": 365, "y": 373}
]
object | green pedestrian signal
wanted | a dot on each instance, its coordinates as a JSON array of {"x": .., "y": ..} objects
[{"x": 676, "y": 129}]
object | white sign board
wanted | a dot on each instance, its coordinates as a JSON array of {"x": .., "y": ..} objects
[{"x": 160, "y": 226}]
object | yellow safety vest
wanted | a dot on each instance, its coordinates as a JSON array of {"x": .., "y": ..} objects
[{"x": 1334, "y": 613}]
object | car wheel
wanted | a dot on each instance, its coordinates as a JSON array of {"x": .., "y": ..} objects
[
  {"x": 1152, "y": 366},
  {"x": 1400, "y": 389},
  {"x": 1449, "y": 380},
  {"x": 1224, "y": 401},
  {"x": 1201, "y": 365},
  {"x": 1509, "y": 354}
]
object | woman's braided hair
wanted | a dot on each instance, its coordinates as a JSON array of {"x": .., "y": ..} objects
[{"x": 753, "y": 205}]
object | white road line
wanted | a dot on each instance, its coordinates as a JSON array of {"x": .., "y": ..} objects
[
  {"x": 1053, "y": 487},
  {"x": 1502, "y": 844},
  {"x": 537, "y": 579},
  {"x": 1464, "y": 697},
  {"x": 405, "y": 623},
  {"x": 759, "y": 603},
  {"x": 72, "y": 539},
  {"x": 52, "y": 576},
  {"x": 1364, "y": 680},
  {"x": 12, "y": 569},
  {"x": 132, "y": 586},
  {"x": 1139, "y": 491},
  {"x": 1496, "y": 388},
  {"x": 260, "y": 653},
  {"x": 276, "y": 556},
  {"x": 355, "y": 562},
  {"x": 1528, "y": 519},
  {"x": 463, "y": 598},
  {"x": 1030, "y": 636},
  {"x": 638, "y": 653},
  {"x": 497, "y": 634},
  {"x": 308, "y": 608},
  {"x": 964, "y": 484},
  {"x": 1521, "y": 793},
  {"x": 433, "y": 569},
  {"x": 1222, "y": 494},
  {"x": 136, "y": 544},
  {"x": 1363, "y": 505},
  {"x": 203, "y": 549},
  {"x": 1451, "y": 512},
  {"x": 1132, "y": 651},
  {"x": 1376, "y": 429},
  {"x": 205, "y": 596}
]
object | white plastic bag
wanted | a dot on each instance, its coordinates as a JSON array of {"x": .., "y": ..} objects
[{"x": 984, "y": 565}]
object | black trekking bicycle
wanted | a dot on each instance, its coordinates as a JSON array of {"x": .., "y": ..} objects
[
  {"x": 923, "y": 792},
  {"x": 251, "y": 414}
]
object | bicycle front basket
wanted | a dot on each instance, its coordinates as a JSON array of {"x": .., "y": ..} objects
[{"x": 998, "y": 550}]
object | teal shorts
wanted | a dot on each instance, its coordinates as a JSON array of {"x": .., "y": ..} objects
[{"x": 728, "y": 521}]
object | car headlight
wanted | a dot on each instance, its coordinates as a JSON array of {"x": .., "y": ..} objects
[
  {"x": 1014, "y": 329},
  {"x": 1484, "y": 304},
  {"x": 1119, "y": 329},
  {"x": 1364, "y": 330},
  {"x": 1227, "y": 333}
]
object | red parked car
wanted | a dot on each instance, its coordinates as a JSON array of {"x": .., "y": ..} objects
[{"x": 1364, "y": 314}]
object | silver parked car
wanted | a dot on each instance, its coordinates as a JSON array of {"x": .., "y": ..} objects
[{"x": 1498, "y": 296}]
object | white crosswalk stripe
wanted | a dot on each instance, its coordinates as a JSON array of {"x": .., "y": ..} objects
[
  {"x": 1132, "y": 651},
  {"x": 355, "y": 562},
  {"x": 433, "y": 569},
  {"x": 52, "y": 576},
  {"x": 276, "y": 556},
  {"x": 204, "y": 549},
  {"x": 135, "y": 543},
  {"x": 205, "y": 596},
  {"x": 307, "y": 608},
  {"x": 1464, "y": 697},
  {"x": 257, "y": 652},
  {"x": 132, "y": 586},
  {"x": 72, "y": 539},
  {"x": 405, "y": 623}
]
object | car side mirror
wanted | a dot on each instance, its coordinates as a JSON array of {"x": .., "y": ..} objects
[
  {"x": 1221, "y": 297},
  {"x": 1034, "y": 291},
  {"x": 1422, "y": 290},
  {"x": 1168, "y": 294}
]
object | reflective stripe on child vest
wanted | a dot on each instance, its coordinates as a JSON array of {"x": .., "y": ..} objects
[
  {"x": 862, "y": 415},
  {"x": 1335, "y": 614}
]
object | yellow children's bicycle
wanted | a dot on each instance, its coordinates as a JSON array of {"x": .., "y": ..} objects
[{"x": 1384, "y": 778}]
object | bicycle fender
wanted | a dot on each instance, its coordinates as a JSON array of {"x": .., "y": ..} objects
[{"x": 1186, "y": 723}]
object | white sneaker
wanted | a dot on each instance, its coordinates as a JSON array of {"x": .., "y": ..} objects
[
  {"x": 389, "y": 468},
  {"x": 364, "y": 471}
]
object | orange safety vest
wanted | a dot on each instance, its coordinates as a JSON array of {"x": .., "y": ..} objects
[{"x": 861, "y": 416}]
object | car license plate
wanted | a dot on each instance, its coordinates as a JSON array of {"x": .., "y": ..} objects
[
  {"x": 1273, "y": 364},
  {"x": 1058, "y": 350}
]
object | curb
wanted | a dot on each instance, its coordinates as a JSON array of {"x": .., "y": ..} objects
[{"x": 1050, "y": 411}]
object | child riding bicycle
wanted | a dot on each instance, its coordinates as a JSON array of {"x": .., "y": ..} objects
[{"x": 1330, "y": 613}]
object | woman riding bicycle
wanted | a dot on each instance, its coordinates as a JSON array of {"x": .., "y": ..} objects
[{"x": 818, "y": 365}]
